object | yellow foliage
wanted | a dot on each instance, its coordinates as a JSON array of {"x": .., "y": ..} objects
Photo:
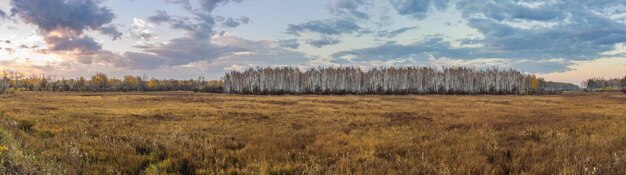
[
  {"x": 3, "y": 148},
  {"x": 534, "y": 83},
  {"x": 12, "y": 91},
  {"x": 152, "y": 84}
]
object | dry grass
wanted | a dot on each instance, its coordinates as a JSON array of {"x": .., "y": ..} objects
[{"x": 198, "y": 133}]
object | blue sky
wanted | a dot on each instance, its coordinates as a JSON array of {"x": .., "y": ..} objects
[{"x": 566, "y": 40}]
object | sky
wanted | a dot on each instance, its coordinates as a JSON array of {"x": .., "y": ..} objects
[{"x": 559, "y": 40}]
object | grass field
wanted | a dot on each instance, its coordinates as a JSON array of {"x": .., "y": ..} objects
[{"x": 200, "y": 133}]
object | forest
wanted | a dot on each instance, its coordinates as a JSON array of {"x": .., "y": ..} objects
[
  {"x": 388, "y": 80},
  {"x": 16, "y": 81},
  {"x": 601, "y": 84},
  {"x": 333, "y": 80}
]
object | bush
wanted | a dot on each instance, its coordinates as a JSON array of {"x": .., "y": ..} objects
[{"x": 12, "y": 91}]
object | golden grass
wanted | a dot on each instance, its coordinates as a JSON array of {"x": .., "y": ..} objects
[{"x": 199, "y": 133}]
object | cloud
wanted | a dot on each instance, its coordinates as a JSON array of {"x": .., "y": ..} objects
[
  {"x": 434, "y": 46},
  {"x": 62, "y": 24},
  {"x": 160, "y": 17},
  {"x": 509, "y": 10},
  {"x": 226, "y": 51},
  {"x": 394, "y": 33},
  {"x": 324, "y": 41},
  {"x": 541, "y": 66},
  {"x": 25, "y": 65},
  {"x": 200, "y": 27},
  {"x": 325, "y": 27},
  {"x": 61, "y": 15},
  {"x": 530, "y": 35},
  {"x": 111, "y": 31},
  {"x": 244, "y": 20},
  {"x": 289, "y": 43},
  {"x": 566, "y": 29},
  {"x": 197, "y": 45},
  {"x": 418, "y": 8},
  {"x": 347, "y": 7},
  {"x": 142, "y": 61},
  {"x": 230, "y": 22},
  {"x": 257, "y": 53},
  {"x": 209, "y": 5},
  {"x": 3, "y": 15},
  {"x": 181, "y": 51},
  {"x": 80, "y": 45},
  {"x": 184, "y": 3}
]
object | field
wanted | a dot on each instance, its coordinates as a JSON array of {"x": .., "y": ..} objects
[{"x": 201, "y": 133}]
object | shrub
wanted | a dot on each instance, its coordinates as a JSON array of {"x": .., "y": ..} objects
[
  {"x": 3, "y": 148},
  {"x": 25, "y": 126},
  {"x": 12, "y": 91}
]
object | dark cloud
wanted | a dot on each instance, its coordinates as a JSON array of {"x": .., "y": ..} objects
[
  {"x": 324, "y": 41},
  {"x": 111, "y": 31},
  {"x": 418, "y": 8},
  {"x": 230, "y": 22},
  {"x": 144, "y": 36},
  {"x": 394, "y": 33},
  {"x": 244, "y": 20},
  {"x": 200, "y": 27},
  {"x": 142, "y": 61},
  {"x": 509, "y": 10},
  {"x": 160, "y": 17},
  {"x": 184, "y": 3},
  {"x": 209, "y": 5},
  {"x": 347, "y": 7},
  {"x": 289, "y": 43},
  {"x": 326, "y": 27},
  {"x": 63, "y": 15},
  {"x": 182, "y": 51},
  {"x": 62, "y": 24},
  {"x": 3, "y": 15},
  {"x": 434, "y": 46},
  {"x": 578, "y": 32},
  {"x": 530, "y": 37},
  {"x": 229, "y": 51},
  {"x": 197, "y": 45},
  {"x": 82, "y": 45}
]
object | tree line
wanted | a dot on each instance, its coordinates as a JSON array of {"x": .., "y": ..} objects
[
  {"x": 387, "y": 80},
  {"x": 601, "y": 84},
  {"x": 332, "y": 80},
  {"x": 100, "y": 82}
]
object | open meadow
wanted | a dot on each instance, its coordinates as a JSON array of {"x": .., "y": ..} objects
[{"x": 202, "y": 133}]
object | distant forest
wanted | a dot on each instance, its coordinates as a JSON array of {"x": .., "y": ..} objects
[
  {"x": 17, "y": 81},
  {"x": 337, "y": 80},
  {"x": 388, "y": 80},
  {"x": 601, "y": 84}
]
